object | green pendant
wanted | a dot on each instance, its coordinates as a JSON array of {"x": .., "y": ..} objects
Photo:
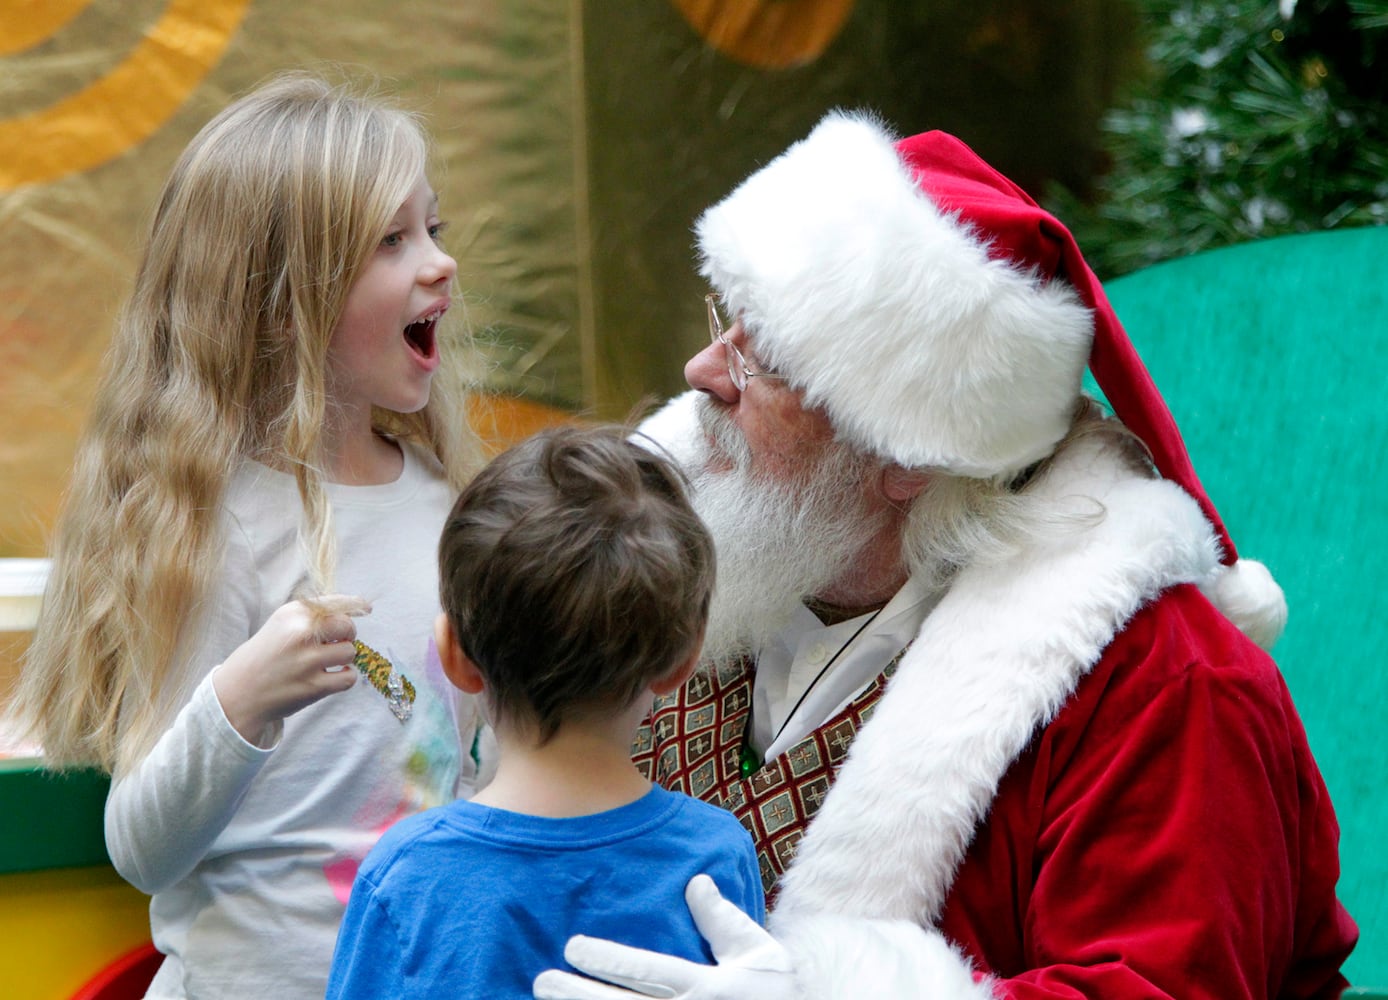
[{"x": 747, "y": 761}]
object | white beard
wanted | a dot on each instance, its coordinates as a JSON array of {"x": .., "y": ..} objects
[{"x": 777, "y": 542}]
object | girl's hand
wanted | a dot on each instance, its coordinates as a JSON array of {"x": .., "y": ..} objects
[{"x": 301, "y": 654}]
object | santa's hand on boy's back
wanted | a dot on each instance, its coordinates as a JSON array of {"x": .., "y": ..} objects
[
  {"x": 749, "y": 963},
  {"x": 301, "y": 654}
]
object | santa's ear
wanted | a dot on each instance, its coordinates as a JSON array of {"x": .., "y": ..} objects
[
  {"x": 901, "y": 484},
  {"x": 457, "y": 666}
]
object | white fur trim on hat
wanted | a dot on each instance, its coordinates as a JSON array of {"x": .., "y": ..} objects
[{"x": 890, "y": 314}]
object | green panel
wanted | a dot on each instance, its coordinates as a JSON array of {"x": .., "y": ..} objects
[
  {"x": 50, "y": 820},
  {"x": 1273, "y": 356}
]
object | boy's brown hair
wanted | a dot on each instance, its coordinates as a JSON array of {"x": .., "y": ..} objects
[{"x": 575, "y": 573}]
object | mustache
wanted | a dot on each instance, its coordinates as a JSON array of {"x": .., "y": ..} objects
[{"x": 722, "y": 434}]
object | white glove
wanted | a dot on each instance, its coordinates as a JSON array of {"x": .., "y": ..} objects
[{"x": 751, "y": 964}]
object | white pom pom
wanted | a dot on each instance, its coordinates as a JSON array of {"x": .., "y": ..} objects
[{"x": 1250, "y": 598}]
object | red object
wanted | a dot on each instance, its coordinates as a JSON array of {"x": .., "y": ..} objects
[
  {"x": 1167, "y": 835},
  {"x": 126, "y": 978},
  {"x": 1022, "y": 233}
]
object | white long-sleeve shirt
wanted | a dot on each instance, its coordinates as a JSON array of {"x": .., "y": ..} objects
[{"x": 248, "y": 852}]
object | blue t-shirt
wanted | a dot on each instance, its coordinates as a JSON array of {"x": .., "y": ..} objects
[{"x": 469, "y": 901}]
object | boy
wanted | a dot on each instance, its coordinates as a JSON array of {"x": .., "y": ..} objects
[{"x": 575, "y": 584}]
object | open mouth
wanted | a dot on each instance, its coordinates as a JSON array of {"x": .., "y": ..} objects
[{"x": 420, "y": 335}]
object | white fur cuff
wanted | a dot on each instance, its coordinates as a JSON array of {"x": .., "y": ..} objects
[{"x": 840, "y": 958}]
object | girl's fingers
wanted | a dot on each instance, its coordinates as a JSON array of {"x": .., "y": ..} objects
[
  {"x": 338, "y": 628},
  {"x": 342, "y": 680},
  {"x": 332, "y": 657}
]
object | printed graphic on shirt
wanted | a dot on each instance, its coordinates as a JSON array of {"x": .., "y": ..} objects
[
  {"x": 429, "y": 762},
  {"x": 434, "y": 763}
]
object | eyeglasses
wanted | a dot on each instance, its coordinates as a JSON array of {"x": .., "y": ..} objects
[{"x": 738, "y": 368}]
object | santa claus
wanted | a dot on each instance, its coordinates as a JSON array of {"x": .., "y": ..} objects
[{"x": 986, "y": 678}]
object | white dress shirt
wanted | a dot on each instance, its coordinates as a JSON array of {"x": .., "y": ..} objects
[{"x": 821, "y": 668}]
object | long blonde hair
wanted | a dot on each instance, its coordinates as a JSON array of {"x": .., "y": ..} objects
[{"x": 219, "y": 355}]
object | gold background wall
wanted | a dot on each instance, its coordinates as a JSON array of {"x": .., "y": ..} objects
[{"x": 578, "y": 143}]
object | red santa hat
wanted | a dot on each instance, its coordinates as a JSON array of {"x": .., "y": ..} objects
[{"x": 939, "y": 316}]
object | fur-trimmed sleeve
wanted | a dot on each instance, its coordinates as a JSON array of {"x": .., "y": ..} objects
[{"x": 847, "y": 958}]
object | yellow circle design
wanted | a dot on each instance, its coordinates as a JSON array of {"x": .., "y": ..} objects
[
  {"x": 126, "y": 106},
  {"x": 25, "y": 23}
]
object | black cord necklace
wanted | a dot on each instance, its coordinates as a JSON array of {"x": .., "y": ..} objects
[{"x": 748, "y": 759}]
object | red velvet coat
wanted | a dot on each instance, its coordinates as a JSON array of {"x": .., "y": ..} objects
[{"x": 1167, "y": 835}]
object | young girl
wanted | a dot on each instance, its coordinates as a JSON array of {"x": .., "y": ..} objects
[{"x": 278, "y": 427}]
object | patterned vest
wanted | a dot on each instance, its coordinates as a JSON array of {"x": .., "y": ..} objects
[{"x": 693, "y": 743}]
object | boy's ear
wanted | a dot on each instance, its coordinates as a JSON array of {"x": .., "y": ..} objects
[
  {"x": 674, "y": 680},
  {"x": 460, "y": 671}
]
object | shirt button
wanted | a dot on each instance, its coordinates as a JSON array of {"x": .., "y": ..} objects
[{"x": 818, "y": 652}]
